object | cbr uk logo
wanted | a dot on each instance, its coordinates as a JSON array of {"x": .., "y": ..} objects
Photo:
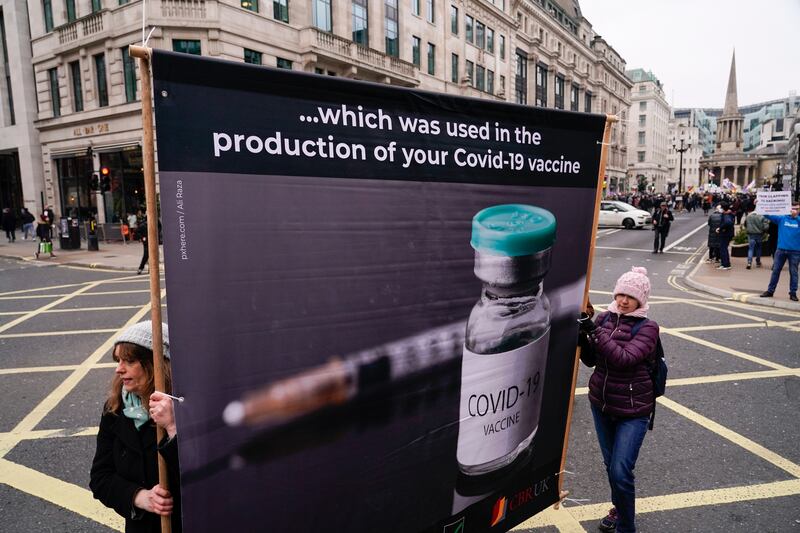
[
  {"x": 526, "y": 495},
  {"x": 455, "y": 527}
]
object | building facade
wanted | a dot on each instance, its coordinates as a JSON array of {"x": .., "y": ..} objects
[
  {"x": 648, "y": 134},
  {"x": 535, "y": 52},
  {"x": 683, "y": 156}
]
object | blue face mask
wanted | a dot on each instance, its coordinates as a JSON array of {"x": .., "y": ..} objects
[{"x": 133, "y": 409}]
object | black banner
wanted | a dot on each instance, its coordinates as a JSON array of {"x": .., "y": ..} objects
[{"x": 372, "y": 298}]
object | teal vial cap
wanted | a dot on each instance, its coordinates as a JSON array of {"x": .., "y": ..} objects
[{"x": 513, "y": 230}]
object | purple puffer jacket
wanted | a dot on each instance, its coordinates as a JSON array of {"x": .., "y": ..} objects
[{"x": 621, "y": 384}]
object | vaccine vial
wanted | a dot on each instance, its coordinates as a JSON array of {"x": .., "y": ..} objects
[{"x": 505, "y": 351}]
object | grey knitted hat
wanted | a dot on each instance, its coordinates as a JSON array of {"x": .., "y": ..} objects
[{"x": 141, "y": 334}]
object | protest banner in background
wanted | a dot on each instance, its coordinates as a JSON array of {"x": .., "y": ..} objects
[
  {"x": 372, "y": 298},
  {"x": 773, "y": 202}
]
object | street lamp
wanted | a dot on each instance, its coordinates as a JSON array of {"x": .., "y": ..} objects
[{"x": 680, "y": 165}]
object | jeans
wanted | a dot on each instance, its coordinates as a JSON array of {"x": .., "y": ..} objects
[
  {"x": 754, "y": 248},
  {"x": 781, "y": 256},
  {"x": 620, "y": 440},
  {"x": 659, "y": 239},
  {"x": 26, "y": 229},
  {"x": 724, "y": 253}
]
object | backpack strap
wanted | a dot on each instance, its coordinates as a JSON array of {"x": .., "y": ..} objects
[{"x": 636, "y": 327}]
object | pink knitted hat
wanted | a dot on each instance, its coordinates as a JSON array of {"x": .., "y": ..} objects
[{"x": 634, "y": 283}]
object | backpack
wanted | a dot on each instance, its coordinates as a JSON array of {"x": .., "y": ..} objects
[{"x": 657, "y": 368}]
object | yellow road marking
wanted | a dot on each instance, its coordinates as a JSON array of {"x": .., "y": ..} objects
[
  {"x": 790, "y": 325},
  {"x": 36, "y": 312},
  {"x": 79, "y": 309},
  {"x": 740, "y": 440},
  {"x": 54, "y": 287},
  {"x": 561, "y": 518},
  {"x": 52, "y": 433},
  {"x": 58, "y": 368},
  {"x": 55, "y": 333},
  {"x": 700, "y": 498},
  {"x": 101, "y": 293},
  {"x": 718, "y": 347},
  {"x": 61, "y": 493}
]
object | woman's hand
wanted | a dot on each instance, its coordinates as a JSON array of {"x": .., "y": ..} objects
[
  {"x": 162, "y": 412},
  {"x": 157, "y": 500}
]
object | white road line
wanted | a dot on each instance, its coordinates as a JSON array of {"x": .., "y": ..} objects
[{"x": 704, "y": 225}]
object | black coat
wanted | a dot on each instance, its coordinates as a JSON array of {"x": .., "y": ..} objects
[
  {"x": 662, "y": 219},
  {"x": 125, "y": 461},
  {"x": 9, "y": 221}
]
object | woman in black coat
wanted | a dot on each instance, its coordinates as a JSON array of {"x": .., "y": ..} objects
[{"x": 124, "y": 474}]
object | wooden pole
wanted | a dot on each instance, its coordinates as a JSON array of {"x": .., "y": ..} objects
[
  {"x": 601, "y": 172},
  {"x": 148, "y": 153}
]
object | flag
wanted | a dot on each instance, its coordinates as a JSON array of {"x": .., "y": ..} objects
[
  {"x": 711, "y": 174},
  {"x": 726, "y": 184},
  {"x": 750, "y": 185}
]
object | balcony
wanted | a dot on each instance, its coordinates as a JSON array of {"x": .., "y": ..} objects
[
  {"x": 82, "y": 27},
  {"x": 341, "y": 50}
]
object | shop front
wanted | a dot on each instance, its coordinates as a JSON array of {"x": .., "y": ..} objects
[{"x": 124, "y": 184}]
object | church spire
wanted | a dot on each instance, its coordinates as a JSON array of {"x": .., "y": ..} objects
[{"x": 731, "y": 101}]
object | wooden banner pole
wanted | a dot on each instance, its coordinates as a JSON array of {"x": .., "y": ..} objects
[
  {"x": 148, "y": 153},
  {"x": 601, "y": 173}
]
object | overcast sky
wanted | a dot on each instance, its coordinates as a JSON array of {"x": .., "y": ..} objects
[{"x": 688, "y": 44}]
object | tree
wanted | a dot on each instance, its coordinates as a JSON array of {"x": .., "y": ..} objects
[{"x": 641, "y": 180}]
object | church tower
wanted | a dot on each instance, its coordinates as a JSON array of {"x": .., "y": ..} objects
[{"x": 729, "y": 126}]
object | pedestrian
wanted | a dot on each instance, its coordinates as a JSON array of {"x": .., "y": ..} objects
[
  {"x": 9, "y": 223},
  {"x": 621, "y": 389},
  {"x": 725, "y": 232},
  {"x": 132, "y": 223},
  {"x": 141, "y": 232},
  {"x": 756, "y": 227},
  {"x": 788, "y": 248},
  {"x": 27, "y": 224},
  {"x": 45, "y": 233},
  {"x": 714, "y": 220},
  {"x": 662, "y": 218},
  {"x": 124, "y": 473}
]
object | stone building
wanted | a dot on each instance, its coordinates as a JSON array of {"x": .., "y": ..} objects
[
  {"x": 533, "y": 52},
  {"x": 684, "y": 166},
  {"x": 648, "y": 134}
]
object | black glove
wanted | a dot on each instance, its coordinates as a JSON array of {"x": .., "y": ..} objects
[{"x": 586, "y": 324}]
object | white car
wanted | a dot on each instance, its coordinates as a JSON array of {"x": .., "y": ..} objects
[{"x": 616, "y": 213}]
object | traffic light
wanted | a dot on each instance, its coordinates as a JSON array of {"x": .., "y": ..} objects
[
  {"x": 105, "y": 179},
  {"x": 94, "y": 182}
]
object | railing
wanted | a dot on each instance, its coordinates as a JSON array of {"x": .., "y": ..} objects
[
  {"x": 89, "y": 25},
  {"x": 344, "y": 47},
  {"x": 190, "y": 9}
]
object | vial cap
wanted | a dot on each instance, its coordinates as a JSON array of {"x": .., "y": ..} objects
[{"x": 513, "y": 230}]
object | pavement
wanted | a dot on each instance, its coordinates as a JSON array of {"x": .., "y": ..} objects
[
  {"x": 113, "y": 255},
  {"x": 737, "y": 284}
]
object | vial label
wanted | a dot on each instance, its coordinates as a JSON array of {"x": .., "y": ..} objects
[{"x": 500, "y": 403}]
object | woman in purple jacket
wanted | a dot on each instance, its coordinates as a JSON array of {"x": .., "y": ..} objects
[{"x": 621, "y": 390}]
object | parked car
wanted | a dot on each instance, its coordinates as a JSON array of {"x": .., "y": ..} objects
[{"x": 616, "y": 213}]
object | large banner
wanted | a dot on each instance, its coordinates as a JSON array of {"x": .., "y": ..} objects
[{"x": 372, "y": 298}]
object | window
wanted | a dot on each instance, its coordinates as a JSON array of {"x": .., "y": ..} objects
[
  {"x": 48, "y": 15},
  {"x": 468, "y": 23},
  {"x": 280, "y": 10},
  {"x": 431, "y": 59},
  {"x": 77, "y": 88},
  {"x": 252, "y": 57},
  {"x": 10, "y": 119},
  {"x": 541, "y": 85},
  {"x": 502, "y": 46},
  {"x": 559, "y": 93},
  {"x": 587, "y": 103},
  {"x": 490, "y": 40},
  {"x": 102, "y": 85},
  {"x": 480, "y": 34},
  {"x": 129, "y": 75},
  {"x": 123, "y": 2},
  {"x": 186, "y": 46},
  {"x": 640, "y": 157},
  {"x": 415, "y": 7},
  {"x": 454, "y": 20},
  {"x": 360, "y": 22},
  {"x": 454, "y": 68},
  {"x": 642, "y": 120},
  {"x": 502, "y": 84},
  {"x": 283, "y": 63},
  {"x": 97, "y": 5},
  {"x": 70, "y": 4},
  {"x": 642, "y": 106},
  {"x": 321, "y": 14},
  {"x": 490, "y": 81},
  {"x": 391, "y": 29},
  {"x": 55, "y": 96},
  {"x": 521, "y": 80},
  {"x": 641, "y": 138},
  {"x": 470, "y": 72},
  {"x": 430, "y": 11},
  {"x": 416, "y": 44},
  {"x": 480, "y": 78},
  {"x": 642, "y": 89},
  {"x": 251, "y": 5},
  {"x": 573, "y": 98}
]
